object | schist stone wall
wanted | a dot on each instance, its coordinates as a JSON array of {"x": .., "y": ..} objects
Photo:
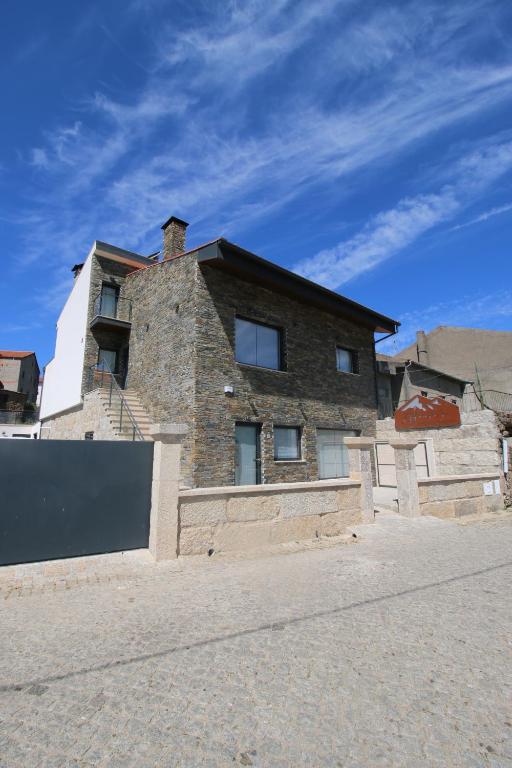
[
  {"x": 309, "y": 393},
  {"x": 182, "y": 357},
  {"x": 104, "y": 271},
  {"x": 162, "y": 345}
]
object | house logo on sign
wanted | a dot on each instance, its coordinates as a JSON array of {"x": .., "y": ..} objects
[{"x": 422, "y": 413}]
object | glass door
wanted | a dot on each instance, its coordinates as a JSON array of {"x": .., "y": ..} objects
[
  {"x": 247, "y": 454},
  {"x": 109, "y": 296}
]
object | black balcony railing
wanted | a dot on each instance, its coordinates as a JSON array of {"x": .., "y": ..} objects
[
  {"x": 115, "y": 308},
  {"x": 19, "y": 417}
]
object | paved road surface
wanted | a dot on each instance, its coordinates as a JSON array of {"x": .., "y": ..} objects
[{"x": 395, "y": 651}]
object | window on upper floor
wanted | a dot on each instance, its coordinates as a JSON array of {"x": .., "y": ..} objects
[
  {"x": 347, "y": 360},
  {"x": 286, "y": 443},
  {"x": 258, "y": 344}
]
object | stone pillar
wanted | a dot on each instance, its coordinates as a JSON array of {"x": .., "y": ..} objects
[
  {"x": 164, "y": 522},
  {"x": 359, "y": 453},
  {"x": 406, "y": 477}
]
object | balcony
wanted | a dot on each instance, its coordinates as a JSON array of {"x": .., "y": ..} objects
[
  {"x": 19, "y": 417},
  {"x": 111, "y": 313}
]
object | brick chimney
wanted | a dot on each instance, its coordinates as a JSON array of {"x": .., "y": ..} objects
[
  {"x": 174, "y": 237},
  {"x": 422, "y": 347}
]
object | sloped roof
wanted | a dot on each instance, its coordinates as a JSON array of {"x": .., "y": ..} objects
[{"x": 14, "y": 354}]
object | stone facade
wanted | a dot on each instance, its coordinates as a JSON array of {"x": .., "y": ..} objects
[
  {"x": 105, "y": 271},
  {"x": 162, "y": 345},
  {"x": 472, "y": 447},
  {"x": 182, "y": 357},
  {"x": 456, "y": 496},
  {"x": 90, "y": 416},
  {"x": 238, "y": 519}
]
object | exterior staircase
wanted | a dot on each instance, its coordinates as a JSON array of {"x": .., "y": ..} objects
[{"x": 123, "y": 426}]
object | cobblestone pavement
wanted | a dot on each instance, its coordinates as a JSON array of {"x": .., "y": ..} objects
[{"x": 395, "y": 651}]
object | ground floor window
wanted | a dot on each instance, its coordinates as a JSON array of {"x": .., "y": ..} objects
[
  {"x": 333, "y": 453},
  {"x": 286, "y": 443}
]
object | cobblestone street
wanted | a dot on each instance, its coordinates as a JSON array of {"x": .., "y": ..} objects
[{"x": 393, "y": 651}]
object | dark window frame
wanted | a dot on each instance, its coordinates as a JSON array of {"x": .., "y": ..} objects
[
  {"x": 298, "y": 431},
  {"x": 354, "y": 359},
  {"x": 281, "y": 346}
]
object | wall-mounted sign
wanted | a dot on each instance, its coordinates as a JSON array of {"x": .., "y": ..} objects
[{"x": 424, "y": 413}]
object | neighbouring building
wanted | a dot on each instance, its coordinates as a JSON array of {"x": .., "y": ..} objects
[
  {"x": 19, "y": 372},
  {"x": 269, "y": 371},
  {"x": 19, "y": 377},
  {"x": 399, "y": 380},
  {"x": 481, "y": 356}
]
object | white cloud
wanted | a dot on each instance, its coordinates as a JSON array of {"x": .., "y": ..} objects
[
  {"x": 496, "y": 211},
  {"x": 391, "y": 231},
  {"x": 39, "y": 158},
  {"x": 195, "y": 139}
]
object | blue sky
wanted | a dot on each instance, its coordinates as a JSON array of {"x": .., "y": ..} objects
[{"x": 367, "y": 145}]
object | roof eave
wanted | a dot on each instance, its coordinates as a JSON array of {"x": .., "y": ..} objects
[{"x": 230, "y": 257}]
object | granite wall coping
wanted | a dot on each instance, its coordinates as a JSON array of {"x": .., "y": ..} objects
[
  {"x": 242, "y": 490},
  {"x": 458, "y": 478}
]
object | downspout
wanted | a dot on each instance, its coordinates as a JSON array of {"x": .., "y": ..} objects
[{"x": 375, "y": 342}]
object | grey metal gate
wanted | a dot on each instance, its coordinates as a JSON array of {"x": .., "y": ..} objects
[{"x": 65, "y": 498}]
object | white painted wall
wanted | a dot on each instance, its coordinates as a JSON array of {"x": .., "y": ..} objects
[
  {"x": 19, "y": 431},
  {"x": 63, "y": 375}
]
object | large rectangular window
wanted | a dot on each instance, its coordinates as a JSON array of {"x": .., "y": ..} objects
[
  {"x": 286, "y": 443},
  {"x": 257, "y": 344},
  {"x": 333, "y": 453},
  {"x": 347, "y": 360}
]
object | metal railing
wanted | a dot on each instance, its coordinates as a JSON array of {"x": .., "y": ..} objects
[
  {"x": 116, "y": 308},
  {"x": 101, "y": 377},
  {"x": 474, "y": 400},
  {"x": 19, "y": 417}
]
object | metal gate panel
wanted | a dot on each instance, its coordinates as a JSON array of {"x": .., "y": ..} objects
[{"x": 66, "y": 498}]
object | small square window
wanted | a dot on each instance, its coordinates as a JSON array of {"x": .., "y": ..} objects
[
  {"x": 347, "y": 360},
  {"x": 286, "y": 443}
]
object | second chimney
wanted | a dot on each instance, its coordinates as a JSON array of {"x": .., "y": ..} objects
[{"x": 174, "y": 237}]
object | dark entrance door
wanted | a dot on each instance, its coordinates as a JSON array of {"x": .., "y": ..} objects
[{"x": 65, "y": 498}]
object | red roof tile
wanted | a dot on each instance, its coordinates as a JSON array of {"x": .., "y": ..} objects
[{"x": 10, "y": 353}]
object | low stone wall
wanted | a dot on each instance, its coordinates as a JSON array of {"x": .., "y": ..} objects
[
  {"x": 246, "y": 517},
  {"x": 474, "y": 446},
  {"x": 458, "y": 495},
  {"x": 89, "y": 416}
]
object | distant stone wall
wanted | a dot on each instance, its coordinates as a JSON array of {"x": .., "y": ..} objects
[
  {"x": 458, "y": 495},
  {"x": 90, "y": 416},
  {"x": 246, "y": 517},
  {"x": 474, "y": 447}
]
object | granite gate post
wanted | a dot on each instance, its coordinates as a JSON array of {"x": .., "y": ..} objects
[
  {"x": 359, "y": 452},
  {"x": 164, "y": 519},
  {"x": 406, "y": 477}
]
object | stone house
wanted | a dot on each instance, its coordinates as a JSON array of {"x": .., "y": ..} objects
[
  {"x": 474, "y": 354},
  {"x": 399, "y": 380},
  {"x": 269, "y": 371},
  {"x": 19, "y": 372}
]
